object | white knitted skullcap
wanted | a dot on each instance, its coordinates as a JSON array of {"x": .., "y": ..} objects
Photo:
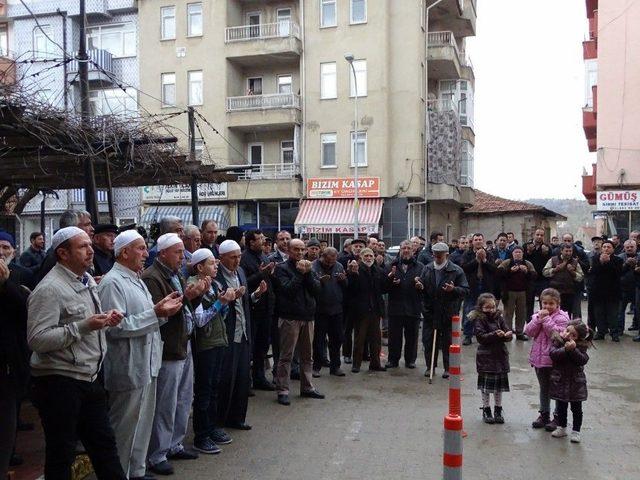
[
  {"x": 63, "y": 235},
  {"x": 228, "y": 246},
  {"x": 200, "y": 255},
  {"x": 124, "y": 239},
  {"x": 168, "y": 240}
]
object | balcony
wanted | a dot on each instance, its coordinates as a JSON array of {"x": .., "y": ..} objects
[
  {"x": 100, "y": 67},
  {"x": 589, "y": 185},
  {"x": 593, "y": 26},
  {"x": 590, "y": 49},
  {"x": 7, "y": 71},
  {"x": 589, "y": 125},
  {"x": 458, "y": 16},
  {"x": 442, "y": 106},
  {"x": 594, "y": 93},
  {"x": 263, "y": 112},
  {"x": 592, "y": 6},
  {"x": 270, "y": 171},
  {"x": 444, "y": 58},
  {"x": 263, "y": 44}
]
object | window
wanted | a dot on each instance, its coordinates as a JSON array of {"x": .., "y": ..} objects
[
  {"x": 254, "y": 86},
  {"x": 284, "y": 21},
  {"x": 360, "y": 67},
  {"x": 358, "y": 11},
  {"x": 359, "y": 149},
  {"x": 113, "y": 102},
  {"x": 328, "y": 14},
  {"x": 168, "y": 89},
  {"x": 168, "y": 23},
  {"x": 328, "y": 82},
  {"x": 199, "y": 151},
  {"x": 255, "y": 155},
  {"x": 4, "y": 40},
  {"x": 285, "y": 84},
  {"x": 591, "y": 80},
  {"x": 466, "y": 164},
  {"x": 328, "y": 145},
  {"x": 286, "y": 152},
  {"x": 43, "y": 47},
  {"x": 119, "y": 40},
  {"x": 194, "y": 19},
  {"x": 195, "y": 87},
  {"x": 254, "y": 20}
]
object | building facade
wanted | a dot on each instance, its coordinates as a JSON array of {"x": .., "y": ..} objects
[
  {"x": 612, "y": 114},
  {"x": 272, "y": 90}
]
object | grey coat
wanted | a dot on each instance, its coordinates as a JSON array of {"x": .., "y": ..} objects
[{"x": 135, "y": 346}]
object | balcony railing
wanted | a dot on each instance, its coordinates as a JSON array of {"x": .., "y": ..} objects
[
  {"x": 263, "y": 102},
  {"x": 262, "y": 31},
  {"x": 270, "y": 171},
  {"x": 443, "y": 39},
  {"x": 442, "y": 105},
  {"x": 99, "y": 60}
]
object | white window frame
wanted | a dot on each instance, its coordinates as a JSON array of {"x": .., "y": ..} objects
[
  {"x": 284, "y": 149},
  {"x": 325, "y": 139},
  {"x": 283, "y": 75},
  {"x": 334, "y": 84},
  {"x": 335, "y": 9},
  {"x": 261, "y": 85},
  {"x": 361, "y": 77},
  {"x": 256, "y": 167},
  {"x": 358, "y": 22},
  {"x": 127, "y": 28},
  {"x": 191, "y": 83},
  {"x": 284, "y": 26},
  {"x": 165, "y": 16},
  {"x": 255, "y": 30},
  {"x": 162, "y": 89},
  {"x": 50, "y": 48},
  {"x": 353, "y": 150},
  {"x": 189, "y": 17}
]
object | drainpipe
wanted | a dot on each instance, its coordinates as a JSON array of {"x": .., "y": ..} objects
[{"x": 303, "y": 82}]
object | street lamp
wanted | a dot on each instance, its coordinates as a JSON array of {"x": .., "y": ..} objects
[{"x": 356, "y": 204}]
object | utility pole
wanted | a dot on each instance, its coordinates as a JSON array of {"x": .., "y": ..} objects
[
  {"x": 90, "y": 200},
  {"x": 195, "y": 211}
]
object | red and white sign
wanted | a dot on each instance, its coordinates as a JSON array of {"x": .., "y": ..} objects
[
  {"x": 618, "y": 200},
  {"x": 368, "y": 187}
]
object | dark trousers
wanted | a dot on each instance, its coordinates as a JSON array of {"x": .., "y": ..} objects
[
  {"x": 8, "y": 420},
  {"x": 208, "y": 367},
  {"x": 331, "y": 326},
  {"x": 275, "y": 343},
  {"x": 576, "y": 411},
  {"x": 261, "y": 333},
  {"x": 591, "y": 312},
  {"x": 73, "y": 410},
  {"x": 347, "y": 345},
  {"x": 367, "y": 330},
  {"x": 443, "y": 340},
  {"x": 407, "y": 326},
  {"x": 606, "y": 311},
  {"x": 577, "y": 301},
  {"x": 536, "y": 289},
  {"x": 627, "y": 298},
  {"x": 233, "y": 390},
  {"x": 567, "y": 303}
]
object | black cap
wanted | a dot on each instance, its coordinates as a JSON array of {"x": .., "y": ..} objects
[
  {"x": 593, "y": 239},
  {"x": 104, "y": 228},
  {"x": 358, "y": 240},
  {"x": 124, "y": 228},
  {"x": 313, "y": 242}
]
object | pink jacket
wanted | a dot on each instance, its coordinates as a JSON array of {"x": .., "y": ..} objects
[{"x": 541, "y": 332}]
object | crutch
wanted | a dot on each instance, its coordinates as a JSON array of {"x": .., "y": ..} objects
[{"x": 433, "y": 354}]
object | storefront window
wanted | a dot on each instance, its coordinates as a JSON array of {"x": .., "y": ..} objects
[
  {"x": 268, "y": 212},
  {"x": 288, "y": 214},
  {"x": 248, "y": 215},
  {"x": 634, "y": 224},
  {"x": 619, "y": 224}
]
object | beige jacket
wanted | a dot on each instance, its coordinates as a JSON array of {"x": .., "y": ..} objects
[{"x": 57, "y": 328}]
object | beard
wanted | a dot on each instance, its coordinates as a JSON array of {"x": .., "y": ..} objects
[{"x": 368, "y": 263}]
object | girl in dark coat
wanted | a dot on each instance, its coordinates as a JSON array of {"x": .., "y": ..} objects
[
  {"x": 568, "y": 381},
  {"x": 492, "y": 357}
]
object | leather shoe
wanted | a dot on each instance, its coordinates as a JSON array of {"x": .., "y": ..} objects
[
  {"x": 337, "y": 372},
  {"x": 183, "y": 454},
  {"x": 312, "y": 394},
  {"x": 445, "y": 374},
  {"x": 599, "y": 336},
  {"x": 410, "y": 365},
  {"x": 522, "y": 337},
  {"x": 162, "y": 468},
  {"x": 378, "y": 369},
  {"x": 284, "y": 400},
  {"x": 636, "y": 339},
  {"x": 239, "y": 426},
  {"x": 315, "y": 374},
  {"x": 263, "y": 384},
  {"x": 355, "y": 370},
  {"x": 391, "y": 365}
]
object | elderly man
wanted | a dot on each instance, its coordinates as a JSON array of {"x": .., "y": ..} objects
[
  {"x": 66, "y": 333},
  {"x": 33, "y": 256},
  {"x": 517, "y": 276},
  {"x": 169, "y": 224},
  {"x": 565, "y": 274},
  {"x": 356, "y": 246},
  {"x": 405, "y": 307},
  {"x": 426, "y": 255},
  {"x": 209, "y": 236},
  {"x": 134, "y": 356},
  {"x": 234, "y": 383},
  {"x": 103, "y": 258},
  {"x": 192, "y": 240},
  {"x": 444, "y": 285},
  {"x": 628, "y": 284},
  {"x": 297, "y": 289},
  {"x": 606, "y": 270},
  {"x": 281, "y": 253},
  {"x": 313, "y": 250},
  {"x": 175, "y": 378}
]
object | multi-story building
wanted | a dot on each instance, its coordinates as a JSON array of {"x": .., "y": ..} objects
[
  {"x": 612, "y": 114},
  {"x": 272, "y": 80}
]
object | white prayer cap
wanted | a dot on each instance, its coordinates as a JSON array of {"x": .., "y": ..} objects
[
  {"x": 200, "y": 255},
  {"x": 63, "y": 235},
  {"x": 168, "y": 240},
  {"x": 124, "y": 239},
  {"x": 228, "y": 246}
]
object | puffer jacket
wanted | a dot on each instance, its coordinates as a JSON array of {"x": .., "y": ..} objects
[
  {"x": 568, "y": 381},
  {"x": 541, "y": 332},
  {"x": 492, "y": 355}
]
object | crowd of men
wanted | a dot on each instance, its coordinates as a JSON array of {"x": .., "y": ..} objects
[{"x": 117, "y": 345}]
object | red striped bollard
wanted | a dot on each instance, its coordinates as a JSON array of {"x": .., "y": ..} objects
[
  {"x": 456, "y": 330},
  {"x": 455, "y": 385},
  {"x": 452, "y": 458}
]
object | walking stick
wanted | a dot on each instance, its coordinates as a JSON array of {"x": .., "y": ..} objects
[{"x": 433, "y": 354}]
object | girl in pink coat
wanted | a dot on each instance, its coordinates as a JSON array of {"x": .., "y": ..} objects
[{"x": 543, "y": 324}]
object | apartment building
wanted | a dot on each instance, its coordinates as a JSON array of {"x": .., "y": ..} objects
[
  {"x": 272, "y": 80},
  {"x": 611, "y": 114}
]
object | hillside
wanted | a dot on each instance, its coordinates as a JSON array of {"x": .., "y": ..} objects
[{"x": 578, "y": 212}]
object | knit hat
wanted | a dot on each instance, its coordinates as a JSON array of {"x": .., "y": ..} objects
[
  {"x": 125, "y": 238},
  {"x": 228, "y": 246},
  {"x": 200, "y": 255},
  {"x": 63, "y": 235},
  {"x": 167, "y": 240},
  {"x": 7, "y": 237}
]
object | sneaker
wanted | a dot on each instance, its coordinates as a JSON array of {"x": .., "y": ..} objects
[
  {"x": 316, "y": 374},
  {"x": 497, "y": 415},
  {"x": 575, "y": 437},
  {"x": 636, "y": 339},
  {"x": 348, "y": 360},
  {"x": 207, "y": 446},
  {"x": 615, "y": 338},
  {"x": 220, "y": 437},
  {"x": 559, "y": 432},
  {"x": 552, "y": 425},
  {"x": 541, "y": 421},
  {"x": 487, "y": 417}
]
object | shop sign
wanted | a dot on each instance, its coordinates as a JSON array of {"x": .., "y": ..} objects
[
  {"x": 618, "y": 200},
  {"x": 368, "y": 187},
  {"x": 182, "y": 193},
  {"x": 337, "y": 229}
]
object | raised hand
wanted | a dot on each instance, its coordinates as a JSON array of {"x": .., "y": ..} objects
[
  {"x": 114, "y": 317},
  {"x": 4, "y": 272},
  {"x": 353, "y": 266},
  {"x": 448, "y": 287},
  {"x": 261, "y": 288},
  {"x": 228, "y": 296},
  {"x": 419, "y": 284},
  {"x": 98, "y": 321},
  {"x": 169, "y": 305},
  {"x": 240, "y": 291}
]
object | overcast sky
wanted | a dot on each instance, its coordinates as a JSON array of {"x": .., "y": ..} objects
[{"x": 529, "y": 93}]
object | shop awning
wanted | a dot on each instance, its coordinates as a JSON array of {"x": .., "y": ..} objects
[
  {"x": 217, "y": 213},
  {"x": 336, "y": 216}
]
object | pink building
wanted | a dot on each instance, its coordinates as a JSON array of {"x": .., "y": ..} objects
[{"x": 611, "y": 115}]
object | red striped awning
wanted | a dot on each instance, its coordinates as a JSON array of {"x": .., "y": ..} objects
[{"x": 337, "y": 216}]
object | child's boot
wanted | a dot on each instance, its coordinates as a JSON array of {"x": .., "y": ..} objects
[
  {"x": 552, "y": 425},
  {"x": 575, "y": 437},
  {"x": 541, "y": 421},
  {"x": 497, "y": 415},
  {"x": 559, "y": 432},
  {"x": 486, "y": 415}
]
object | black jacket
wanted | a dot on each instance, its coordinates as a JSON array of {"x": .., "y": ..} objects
[
  {"x": 296, "y": 292},
  {"x": 568, "y": 381},
  {"x": 440, "y": 306},
  {"x": 470, "y": 267},
  {"x": 605, "y": 284},
  {"x": 538, "y": 257},
  {"x": 629, "y": 279},
  {"x": 250, "y": 263},
  {"x": 14, "y": 351},
  {"x": 365, "y": 291},
  {"x": 102, "y": 262},
  {"x": 404, "y": 298},
  {"x": 332, "y": 290},
  {"x": 492, "y": 355},
  {"x": 32, "y": 259}
]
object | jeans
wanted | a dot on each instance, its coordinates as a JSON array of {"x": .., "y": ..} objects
[
  {"x": 627, "y": 298},
  {"x": 576, "y": 411},
  {"x": 606, "y": 311},
  {"x": 331, "y": 326},
  {"x": 544, "y": 380},
  {"x": 208, "y": 367},
  {"x": 468, "y": 305},
  {"x": 73, "y": 410},
  {"x": 409, "y": 326}
]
